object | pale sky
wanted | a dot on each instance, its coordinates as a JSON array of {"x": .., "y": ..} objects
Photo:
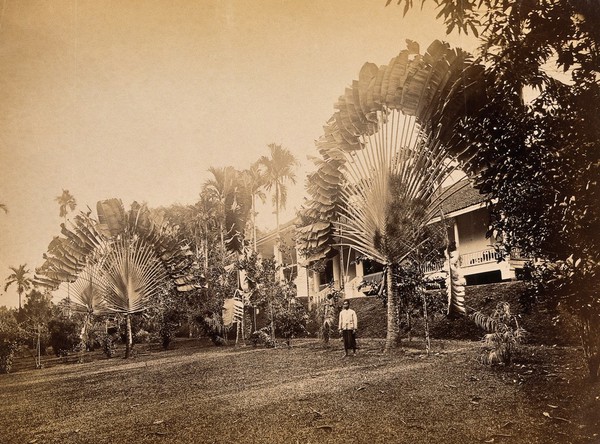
[{"x": 137, "y": 99}]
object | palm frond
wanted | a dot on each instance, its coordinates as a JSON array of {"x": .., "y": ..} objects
[
  {"x": 111, "y": 217},
  {"x": 455, "y": 285},
  {"x": 386, "y": 130},
  {"x": 133, "y": 275},
  {"x": 86, "y": 293}
]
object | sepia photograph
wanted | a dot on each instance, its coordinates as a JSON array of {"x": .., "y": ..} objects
[{"x": 300, "y": 221}]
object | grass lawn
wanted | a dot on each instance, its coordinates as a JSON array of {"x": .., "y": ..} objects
[{"x": 196, "y": 393}]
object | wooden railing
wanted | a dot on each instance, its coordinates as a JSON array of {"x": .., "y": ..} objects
[
  {"x": 487, "y": 256},
  {"x": 432, "y": 267}
]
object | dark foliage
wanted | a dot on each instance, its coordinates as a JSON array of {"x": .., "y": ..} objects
[{"x": 64, "y": 335}]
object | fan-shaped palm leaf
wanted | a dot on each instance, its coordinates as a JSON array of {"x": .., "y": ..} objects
[
  {"x": 132, "y": 274},
  {"x": 86, "y": 292},
  {"x": 386, "y": 130}
]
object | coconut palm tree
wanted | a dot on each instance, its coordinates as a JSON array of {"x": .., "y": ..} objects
[
  {"x": 253, "y": 182},
  {"x": 277, "y": 169},
  {"x": 66, "y": 203},
  {"x": 384, "y": 161},
  {"x": 220, "y": 190},
  {"x": 20, "y": 278}
]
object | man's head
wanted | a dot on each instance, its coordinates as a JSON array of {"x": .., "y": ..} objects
[{"x": 346, "y": 305}]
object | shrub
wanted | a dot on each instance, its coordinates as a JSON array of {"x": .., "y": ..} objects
[
  {"x": 64, "y": 335},
  {"x": 8, "y": 348},
  {"x": 10, "y": 338},
  {"x": 328, "y": 313},
  {"x": 109, "y": 339},
  {"x": 262, "y": 337},
  {"x": 142, "y": 337},
  {"x": 290, "y": 320},
  {"x": 504, "y": 335}
]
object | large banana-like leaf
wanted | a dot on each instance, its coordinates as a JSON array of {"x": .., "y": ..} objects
[
  {"x": 88, "y": 240},
  {"x": 387, "y": 128},
  {"x": 133, "y": 274},
  {"x": 67, "y": 256},
  {"x": 111, "y": 217},
  {"x": 455, "y": 284},
  {"x": 86, "y": 293}
]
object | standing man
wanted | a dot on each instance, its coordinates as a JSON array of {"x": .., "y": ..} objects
[{"x": 348, "y": 324}]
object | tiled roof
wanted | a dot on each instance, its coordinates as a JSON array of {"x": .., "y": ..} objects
[{"x": 460, "y": 195}]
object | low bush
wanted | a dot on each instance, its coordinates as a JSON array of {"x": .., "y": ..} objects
[
  {"x": 10, "y": 339},
  {"x": 503, "y": 337},
  {"x": 64, "y": 335}
]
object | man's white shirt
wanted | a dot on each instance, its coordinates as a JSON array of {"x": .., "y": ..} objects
[{"x": 348, "y": 320}]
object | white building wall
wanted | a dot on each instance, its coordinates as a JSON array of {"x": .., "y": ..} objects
[{"x": 471, "y": 228}]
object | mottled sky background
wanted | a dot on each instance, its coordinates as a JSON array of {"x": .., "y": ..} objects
[{"x": 136, "y": 99}]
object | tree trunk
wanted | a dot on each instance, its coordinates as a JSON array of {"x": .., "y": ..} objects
[
  {"x": 426, "y": 322},
  {"x": 253, "y": 224},
  {"x": 393, "y": 334},
  {"x": 129, "y": 343},
  {"x": 38, "y": 358},
  {"x": 590, "y": 339},
  {"x": 82, "y": 335},
  {"x": 272, "y": 321},
  {"x": 278, "y": 254}
]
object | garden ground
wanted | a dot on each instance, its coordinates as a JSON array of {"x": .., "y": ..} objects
[{"x": 197, "y": 393}]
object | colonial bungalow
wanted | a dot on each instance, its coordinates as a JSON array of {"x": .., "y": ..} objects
[{"x": 464, "y": 208}]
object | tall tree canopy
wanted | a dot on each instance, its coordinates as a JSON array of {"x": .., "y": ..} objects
[
  {"x": 66, "y": 202},
  {"x": 277, "y": 169},
  {"x": 534, "y": 147},
  {"x": 19, "y": 277}
]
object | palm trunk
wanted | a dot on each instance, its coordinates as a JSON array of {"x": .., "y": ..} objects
[
  {"x": 393, "y": 335},
  {"x": 253, "y": 223},
  {"x": 278, "y": 255},
  {"x": 277, "y": 208},
  {"x": 426, "y": 320},
  {"x": 129, "y": 343},
  {"x": 82, "y": 342},
  {"x": 38, "y": 359}
]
